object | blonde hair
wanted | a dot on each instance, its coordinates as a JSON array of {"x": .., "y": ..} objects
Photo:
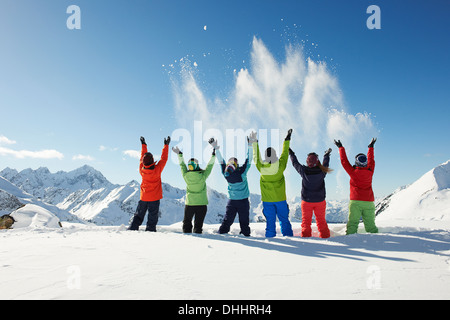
[{"x": 324, "y": 169}]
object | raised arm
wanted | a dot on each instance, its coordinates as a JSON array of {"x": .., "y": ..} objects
[
  {"x": 371, "y": 156},
  {"x": 143, "y": 151},
  {"x": 209, "y": 166},
  {"x": 248, "y": 161},
  {"x": 164, "y": 154},
  {"x": 344, "y": 160},
  {"x": 295, "y": 163},
  {"x": 326, "y": 158}
]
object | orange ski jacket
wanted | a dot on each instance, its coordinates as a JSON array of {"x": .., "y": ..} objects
[{"x": 151, "y": 189}]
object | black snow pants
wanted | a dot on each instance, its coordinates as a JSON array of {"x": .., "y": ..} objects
[
  {"x": 199, "y": 212},
  {"x": 153, "y": 210}
]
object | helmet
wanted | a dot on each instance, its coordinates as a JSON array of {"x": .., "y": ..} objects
[
  {"x": 232, "y": 165},
  {"x": 147, "y": 160},
  {"x": 271, "y": 155},
  {"x": 361, "y": 160},
  {"x": 312, "y": 160},
  {"x": 193, "y": 165}
]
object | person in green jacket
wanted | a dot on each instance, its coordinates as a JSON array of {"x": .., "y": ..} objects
[
  {"x": 196, "y": 197},
  {"x": 273, "y": 186}
]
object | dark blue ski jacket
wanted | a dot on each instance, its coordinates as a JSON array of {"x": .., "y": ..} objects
[{"x": 313, "y": 179}]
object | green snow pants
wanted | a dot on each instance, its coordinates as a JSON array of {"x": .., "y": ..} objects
[{"x": 364, "y": 209}]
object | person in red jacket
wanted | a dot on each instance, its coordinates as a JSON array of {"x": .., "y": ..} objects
[
  {"x": 151, "y": 189},
  {"x": 361, "y": 193}
]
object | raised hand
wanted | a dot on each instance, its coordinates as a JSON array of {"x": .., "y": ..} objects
[
  {"x": 252, "y": 137},
  {"x": 213, "y": 143},
  {"x": 372, "y": 142},
  {"x": 177, "y": 150},
  {"x": 338, "y": 143},
  {"x": 288, "y": 137}
]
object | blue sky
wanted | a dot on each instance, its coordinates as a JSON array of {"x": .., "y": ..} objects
[{"x": 89, "y": 94}]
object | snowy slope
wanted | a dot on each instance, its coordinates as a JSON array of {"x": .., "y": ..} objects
[
  {"x": 408, "y": 259},
  {"x": 92, "y": 262},
  {"x": 428, "y": 198}
]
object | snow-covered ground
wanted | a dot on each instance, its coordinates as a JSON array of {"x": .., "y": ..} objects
[{"x": 408, "y": 260}]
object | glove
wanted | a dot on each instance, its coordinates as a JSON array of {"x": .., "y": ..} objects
[
  {"x": 167, "y": 141},
  {"x": 143, "y": 141},
  {"x": 372, "y": 142},
  {"x": 288, "y": 137},
  {"x": 213, "y": 143},
  {"x": 177, "y": 150},
  {"x": 327, "y": 152},
  {"x": 252, "y": 138},
  {"x": 338, "y": 143}
]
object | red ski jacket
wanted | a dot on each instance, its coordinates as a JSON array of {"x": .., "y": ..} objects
[
  {"x": 360, "y": 177},
  {"x": 151, "y": 189}
]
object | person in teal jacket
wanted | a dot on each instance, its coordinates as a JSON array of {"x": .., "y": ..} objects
[
  {"x": 238, "y": 191},
  {"x": 196, "y": 194},
  {"x": 273, "y": 186}
]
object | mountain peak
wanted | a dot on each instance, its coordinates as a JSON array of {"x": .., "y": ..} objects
[{"x": 442, "y": 175}]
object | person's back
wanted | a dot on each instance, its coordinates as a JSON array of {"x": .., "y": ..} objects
[
  {"x": 273, "y": 187},
  {"x": 196, "y": 191},
  {"x": 151, "y": 187},
  {"x": 360, "y": 176},
  {"x": 313, "y": 191},
  {"x": 272, "y": 181},
  {"x": 361, "y": 194},
  {"x": 238, "y": 191}
]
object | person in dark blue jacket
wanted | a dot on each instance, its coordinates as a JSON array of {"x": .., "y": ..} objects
[
  {"x": 313, "y": 191},
  {"x": 238, "y": 191}
]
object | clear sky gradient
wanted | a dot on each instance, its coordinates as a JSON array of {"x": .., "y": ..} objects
[{"x": 75, "y": 97}]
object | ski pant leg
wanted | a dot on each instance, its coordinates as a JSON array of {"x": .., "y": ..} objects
[
  {"x": 368, "y": 216},
  {"x": 230, "y": 214},
  {"x": 152, "y": 218},
  {"x": 200, "y": 213},
  {"x": 244, "y": 216},
  {"x": 282, "y": 209},
  {"x": 307, "y": 212},
  {"x": 355, "y": 213},
  {"x": 189, "y": 212},
  {"x": 269, "y": 211},
  {"x": 320, "y": 212},
  {"x": 139, "y": 215}
]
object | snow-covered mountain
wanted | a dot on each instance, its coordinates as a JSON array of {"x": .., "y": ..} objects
[
  {"x": 88, "y": 195},
  {"x": 428, "y": 198}
]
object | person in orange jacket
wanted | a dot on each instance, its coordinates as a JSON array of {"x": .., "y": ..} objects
[{"x": 151, "y": 189}]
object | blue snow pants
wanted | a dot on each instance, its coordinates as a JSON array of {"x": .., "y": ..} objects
[{"x": 271, "y": 211}]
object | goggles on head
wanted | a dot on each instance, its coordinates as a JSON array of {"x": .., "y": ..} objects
[
  {"x": 193, "y": 165},
  {"x": 231, "y": 166}
]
